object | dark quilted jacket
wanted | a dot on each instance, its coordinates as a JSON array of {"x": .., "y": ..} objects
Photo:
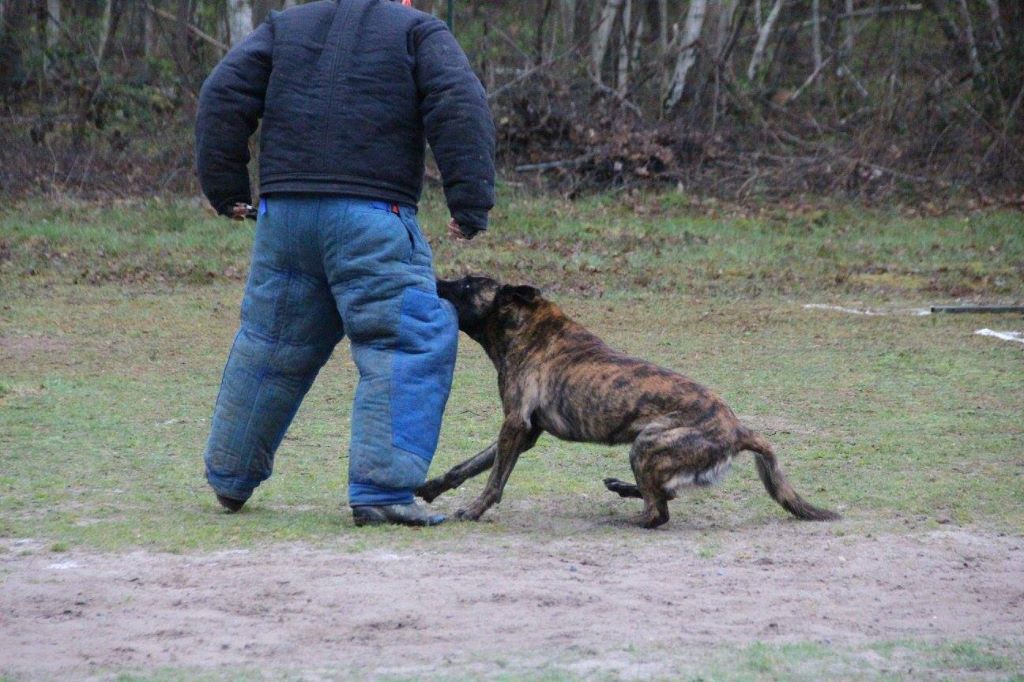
[{"x": 348, "y": 91}]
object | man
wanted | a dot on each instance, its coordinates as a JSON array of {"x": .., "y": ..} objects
[{"x": 347, "y": 92}]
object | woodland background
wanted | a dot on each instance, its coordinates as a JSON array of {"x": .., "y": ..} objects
[{"x": 880, "y": 100}]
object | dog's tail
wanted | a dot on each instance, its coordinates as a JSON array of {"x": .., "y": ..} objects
[{"x": 775, "y": 481}]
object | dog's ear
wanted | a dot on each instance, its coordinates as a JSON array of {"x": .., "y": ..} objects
[{"x": 523, "y": 293}]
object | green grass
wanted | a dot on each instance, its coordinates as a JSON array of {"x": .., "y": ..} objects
[
  {"x": 602, "y": 245},
  {"x": 900, "y": 421}
]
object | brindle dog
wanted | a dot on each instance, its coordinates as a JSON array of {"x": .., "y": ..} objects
[{"x": 555, "y": 376}]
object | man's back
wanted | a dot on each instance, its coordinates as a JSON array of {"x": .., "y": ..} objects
[{"x": 348, "y": 91}]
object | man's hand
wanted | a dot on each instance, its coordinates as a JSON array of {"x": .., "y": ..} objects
[
  {"x": 243, "y": 211},
  {"x": 455, "y": 231}
]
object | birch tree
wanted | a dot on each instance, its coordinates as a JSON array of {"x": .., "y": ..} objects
[
  {"x": 52, "y": 31},
  {"x": 240, "y": 20},
  {"x": 848, "y": 32},
  {"x": 971, "y": 43},
  {"x": 625, "y": 49},
  {"x": 52, "y": 23},
  {"x": 103, "y": 39},
  {"x": 15, "y": 22},
  {"x": 150, "y": 36},
  {"x": 567, "y": 9},
  {"x": 816, "y": 34},
  {"x": 599, "y": 47},
  {"x": 765, "y": 32},
  {"x": 182, "y": 54},
  {"x": 687, "y": 55}
]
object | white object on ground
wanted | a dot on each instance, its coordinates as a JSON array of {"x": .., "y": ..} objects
[
  {"x": 918, "y": 312},
  {"x": 839, "y": 308},
  {"x": 1005, "y": 336},
  {"x": 63, "y": 565}
]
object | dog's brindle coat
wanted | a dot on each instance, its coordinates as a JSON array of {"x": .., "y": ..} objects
[{"x": 555, "y": 376}]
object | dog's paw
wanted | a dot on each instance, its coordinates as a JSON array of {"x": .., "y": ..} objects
[
  {"x": 466, "y": 515},
  {"x": 651, "y": 523}
]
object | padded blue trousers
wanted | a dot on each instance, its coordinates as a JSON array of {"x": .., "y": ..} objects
[{"x": 324, "y": 267}]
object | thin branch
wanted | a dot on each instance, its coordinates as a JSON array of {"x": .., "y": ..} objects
[
  {"x": 810, "y": 79},
  {"x": 1007, "y": 125},
  {"x": 197, "y": 32},
  {"x": 531, "y": 71}
]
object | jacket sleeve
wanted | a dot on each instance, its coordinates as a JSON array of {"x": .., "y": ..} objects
[
  {"x": 230, "y": 106},
  {"x": 458, "y": 124}
]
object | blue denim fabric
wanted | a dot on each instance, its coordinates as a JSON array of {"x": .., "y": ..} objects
[{"x": 324, "y": 267}]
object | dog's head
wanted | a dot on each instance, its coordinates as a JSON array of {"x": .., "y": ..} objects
[{"x": 480, "y": 301}]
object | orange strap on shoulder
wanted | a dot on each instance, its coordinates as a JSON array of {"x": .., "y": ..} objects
[{"x": 407, "y": 3}]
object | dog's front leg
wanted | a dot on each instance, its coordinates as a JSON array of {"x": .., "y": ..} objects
[
  {"x": 516, "y": 437},
  {"x": 458, "y": 474}
]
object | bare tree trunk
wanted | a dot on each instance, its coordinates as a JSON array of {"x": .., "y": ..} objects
[
  {"x": 150, "y": 41},
  {"x": 724, "y": 29},
  {"x": 15, "y": 26},
  {"x": 687, "y": 55},
  {"x": 240, "y": 20},
  {"x": 816, "y": 33},
  {"x": 998, "y": 37},
  {"x": 663, "y": 28},
  {"x": 52, "y": 23},
  {"x": 972, "y": 45},
  {"x": 848, "y": 32},
  {"x": 568, "y": 15},
  {"x": 103, "y": 39},
  {"x": 582, "y": 25},
  {"x": 52, "y": 32},
  {"x": 3, "y": 26},
  {"x": 625, "y": 46},
  {"x": 260, "y": 10},
  {"x": 663, "y": 68},
  {"x": 599, "y": 46},
  {"x": 541, "y": 31},
  {"x": 182, "y": 51},
  {"x": 757, "y": 59}
]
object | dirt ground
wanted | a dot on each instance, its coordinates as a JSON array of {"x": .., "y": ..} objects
[{"x": 469, "y": 606}]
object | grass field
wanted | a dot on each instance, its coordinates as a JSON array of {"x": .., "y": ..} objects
[{"x": 115, "y": 322}]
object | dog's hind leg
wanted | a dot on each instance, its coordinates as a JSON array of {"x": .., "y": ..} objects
[
  {"x": 622, "y": 488},
  {"x": 642, "y": 459},
  {"x": 458, "y": 474},
  {"x": 664, "y": 460}
]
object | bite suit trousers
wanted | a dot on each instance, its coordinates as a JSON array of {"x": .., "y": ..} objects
[{"x": 324, "y": 267}]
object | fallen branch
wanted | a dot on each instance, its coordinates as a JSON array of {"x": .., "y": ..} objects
[
  {"x": 617, "y": 96},
  {"x": 549, "y": 165}
]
